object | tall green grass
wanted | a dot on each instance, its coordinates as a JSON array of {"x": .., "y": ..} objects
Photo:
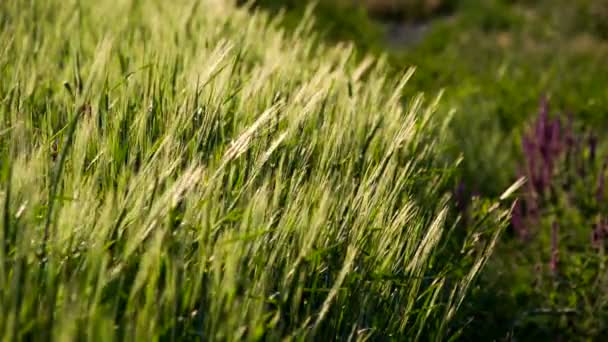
[{"x": 185, "y": 170}]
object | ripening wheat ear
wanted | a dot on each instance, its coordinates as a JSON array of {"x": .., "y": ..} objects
[{"x": 245, "y": 139}]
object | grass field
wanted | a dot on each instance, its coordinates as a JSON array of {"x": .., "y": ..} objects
[{"x": 185, "y": 170}]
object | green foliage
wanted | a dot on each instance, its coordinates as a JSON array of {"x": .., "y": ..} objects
[
  {"x": 184, "y": 170},
  {"x": 495, "y": 59},
  {"x": 334, "y": 20},
  {"x": 494, "y": 75},
  {"x": 562, "y": 214}
]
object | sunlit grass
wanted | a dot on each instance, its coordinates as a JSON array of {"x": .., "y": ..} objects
[{"x": 182, "y": 170}]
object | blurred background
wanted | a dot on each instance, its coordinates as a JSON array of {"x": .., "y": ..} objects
[{"x": 527, "y": 84}]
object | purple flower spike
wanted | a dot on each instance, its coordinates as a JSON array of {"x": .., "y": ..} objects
[
  {"x": 543, "y": 147},
  {"x": 556, "y": 139}
]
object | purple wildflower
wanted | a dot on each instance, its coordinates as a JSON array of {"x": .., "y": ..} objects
[
  {"x": 543, "y": 147},
  {"x": 556, "y": 143}
]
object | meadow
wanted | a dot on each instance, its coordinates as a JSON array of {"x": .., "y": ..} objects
[{"x": 196, "y": 170}]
